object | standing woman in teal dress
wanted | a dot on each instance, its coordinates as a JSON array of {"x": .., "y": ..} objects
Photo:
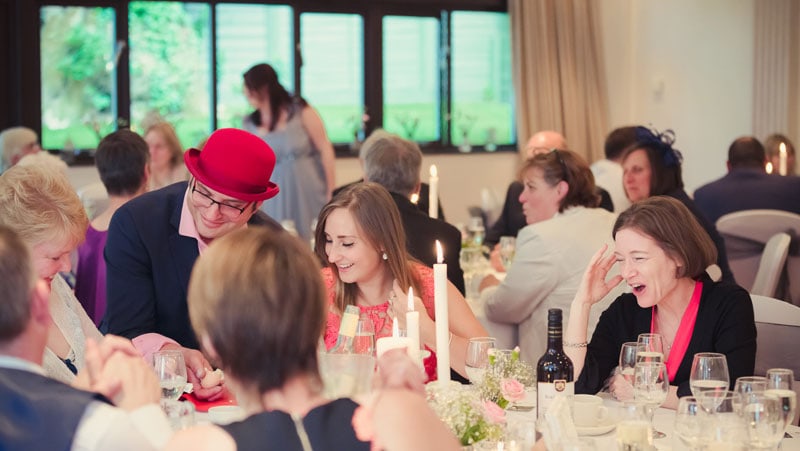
[{"x": 305, "y": 158}]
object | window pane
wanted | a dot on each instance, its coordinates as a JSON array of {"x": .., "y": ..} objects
[
  {"x": 77, "y": 59},
  {"x": 248, "y": 35},
  {"x": 482, "y": 91},
  {"x": 411, "y": 77},
  {"x": 333, "y": 70},
  {"x": 170, "y": 71}
]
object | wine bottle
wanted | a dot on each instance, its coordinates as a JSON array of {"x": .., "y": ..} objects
[
  {"x": 347, "y": 330},
  {"x": 554, "y": 371}
]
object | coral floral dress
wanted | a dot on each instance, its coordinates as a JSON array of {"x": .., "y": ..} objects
[{"x": 379, "y": 313}]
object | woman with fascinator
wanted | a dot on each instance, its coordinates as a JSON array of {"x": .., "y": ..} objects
[{"x": 652, "y": 167}]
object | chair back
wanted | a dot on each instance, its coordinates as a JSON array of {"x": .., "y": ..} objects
[
  {"x": 778, "y": 326},
  {"x": 94, "y": 198},
  {"x": 773, "y": 260},
  {"x": 746, "y": 232}
]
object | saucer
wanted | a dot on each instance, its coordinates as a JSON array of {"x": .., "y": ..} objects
[{"x": 607, "y": 425}]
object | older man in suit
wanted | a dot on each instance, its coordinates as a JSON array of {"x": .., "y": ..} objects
[
  {"x": 394, "y": 163},
  {"x": 747, "y": 186},
  {"x": 154, "y": 240}
]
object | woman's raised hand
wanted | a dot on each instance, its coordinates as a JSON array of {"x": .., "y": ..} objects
[{"x": 594, "y": 285}]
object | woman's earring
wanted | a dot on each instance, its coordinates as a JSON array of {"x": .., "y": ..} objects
[{"x": 385, "y": 256}]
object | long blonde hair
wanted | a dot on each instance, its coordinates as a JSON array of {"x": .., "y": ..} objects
[{"x": 378, "y": 219}]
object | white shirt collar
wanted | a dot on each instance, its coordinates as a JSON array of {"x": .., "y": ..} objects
[{"x": 15, "y": 363}]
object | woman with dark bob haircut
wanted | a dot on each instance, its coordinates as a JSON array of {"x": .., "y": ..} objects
[
  {"x": 661, "y": 252},
  {"x": 257, "y": 305}
]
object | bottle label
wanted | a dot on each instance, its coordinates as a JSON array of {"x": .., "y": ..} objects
[
  {"x": 348, "y": 326},
  {"x": 546, "y": 392}
]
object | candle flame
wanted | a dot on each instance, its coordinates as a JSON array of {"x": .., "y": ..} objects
[
  {"x": 433, "y": 170},
  {"x": 439, "y": 252},
  {"x": 769, "y": 167},
  {"x": 410, "y": 299},
  {"x": 395, "y": 329},
  {"x": 415, "y": 198}
]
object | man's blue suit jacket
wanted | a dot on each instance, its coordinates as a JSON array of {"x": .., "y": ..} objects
[{"x": 148, "y": 267}]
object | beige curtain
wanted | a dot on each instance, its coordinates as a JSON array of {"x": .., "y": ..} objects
[
  {"x": 776, "y": 54},
  {"x": 559, "y": 77}
]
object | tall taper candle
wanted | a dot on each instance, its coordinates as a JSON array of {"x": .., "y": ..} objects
[
  {"x": 412, "y": 327},
  {"x": 442, "y": 323},
  {"x": 433, "y": 193},
  {"x": 782, "y": 159}
]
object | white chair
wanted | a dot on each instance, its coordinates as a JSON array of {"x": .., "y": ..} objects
[
  {"x": 94, "y": 198},
  {"x": 778, "y": 326},
  {"x": 773, "y": 260},
  {"x": 746, "y": 232}
]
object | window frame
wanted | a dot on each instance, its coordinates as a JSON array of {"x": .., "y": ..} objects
[{"x": 372, "y": 12}]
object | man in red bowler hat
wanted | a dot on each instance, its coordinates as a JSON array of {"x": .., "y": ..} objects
[{"x": 154, "y": 240}]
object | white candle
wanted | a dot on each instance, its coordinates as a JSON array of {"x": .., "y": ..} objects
[
  {"x": 433, "y": 193},
  {"x": 394, "y": 342},
  {"x": 412, "y": 326},
  {"x": 782, "y": 159},
  {"x": 440, "y": 309}
]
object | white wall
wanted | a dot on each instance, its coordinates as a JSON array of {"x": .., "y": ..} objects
[{"x": 684, "y": 65}]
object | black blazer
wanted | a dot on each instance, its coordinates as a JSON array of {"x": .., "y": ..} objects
[
  {"x": 422, "y": 232},
  {"x": 148, "y": 265}
]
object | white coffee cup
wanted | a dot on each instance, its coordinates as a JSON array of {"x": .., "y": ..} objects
[
  {"x": 588, "y": 410},
  {"x": 225, "y": 414}
]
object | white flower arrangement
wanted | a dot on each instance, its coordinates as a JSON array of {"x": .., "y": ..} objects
[
  {"x": 471, "y": 419},
  {"x": 506, "y": 378}
]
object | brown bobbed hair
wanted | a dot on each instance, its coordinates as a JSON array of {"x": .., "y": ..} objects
[
  {"x": 259, "y": 298},
  {"x": 566, "y": 165},
  {"x": 675, "y": 230},
  {"x": 19, "y": 279},
  {"x": 378, "y": 221},
  {"x": 664, "y": 178}
]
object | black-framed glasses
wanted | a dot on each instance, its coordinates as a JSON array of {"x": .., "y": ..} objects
[
  {"x": 204, "y": 200},
  {"x": 561, "y": 163}
]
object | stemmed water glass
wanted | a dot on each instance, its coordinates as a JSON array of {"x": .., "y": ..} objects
[
  {"x": 507, "y": 248},
  {"x": 763, "y": 417},
  {"x": 478, "y": 357},
  {"x": 652, "y": 348},
  {"x": 627, "y": 359},
  {"x": 650, "y": 387},
  {"x": 364, "y": 340},
  {"x": 171, "y": 371},
  {"x": 709, "y": 373},
  {"x": 745, "y": 387},
  {"x": 779, "y": 384},
  {"x": 691, "y": 423},
  {"x": 726, "y": 428}
]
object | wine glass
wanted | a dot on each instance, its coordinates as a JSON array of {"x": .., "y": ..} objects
[
  {"x": 709, "y": 373},
  {"x": 634, "y": 431},
  {"x": 746, "y": 386},
  {"x": 507, "y": 247},
  {"x": 763, "y": 417},
  {"x": 691, "y": 423},
  {"x": 650, "y": 387},
  {"x": 726, "y": 428},
  {"x": 478, "y": 357},
  {"x": 171, "y": 371},
  {"x": 475, "y": 231},
  {"x": 779, "y": 385},
  {"x": 627, "y": 359},
  {"x": 652, "y": 348},
  {"x": 364, "y": 339}
]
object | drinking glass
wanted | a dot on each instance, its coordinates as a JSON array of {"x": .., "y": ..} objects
[
  {"x": 634, "y": 432},
  {"x": 470, "y": 261},
  {"x": 650, "y": 387},
  {"x": 709, "y": 373},
  {"x": 692, "y": 423},
  {"x": 475, "y": 232},
  {"x": 779, "y": 385},
  {"x": 364, "y": 340},
  {"x": 763, "y": 417},
  {"x": 507, "y": 247},
  {"x": 171, "y": 371},
  {"x": 746, "y": 386},
  {"x": 627, "y": 359},
  {"x": 179, "y": 413},
  {"x": 726, "y": 428},
  {"x": 478, "y": 357},
  {"x": 652, "y": 348}
]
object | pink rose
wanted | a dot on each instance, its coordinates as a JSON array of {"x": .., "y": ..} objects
[
  {"x": 512, "y": 390},
  {"x": 494, "y": 413}
]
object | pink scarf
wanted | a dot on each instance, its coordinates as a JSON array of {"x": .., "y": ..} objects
[{"x": 684, "y": 334}]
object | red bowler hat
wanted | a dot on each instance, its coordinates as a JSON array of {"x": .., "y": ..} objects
[{"x": 235, "y": 163}]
